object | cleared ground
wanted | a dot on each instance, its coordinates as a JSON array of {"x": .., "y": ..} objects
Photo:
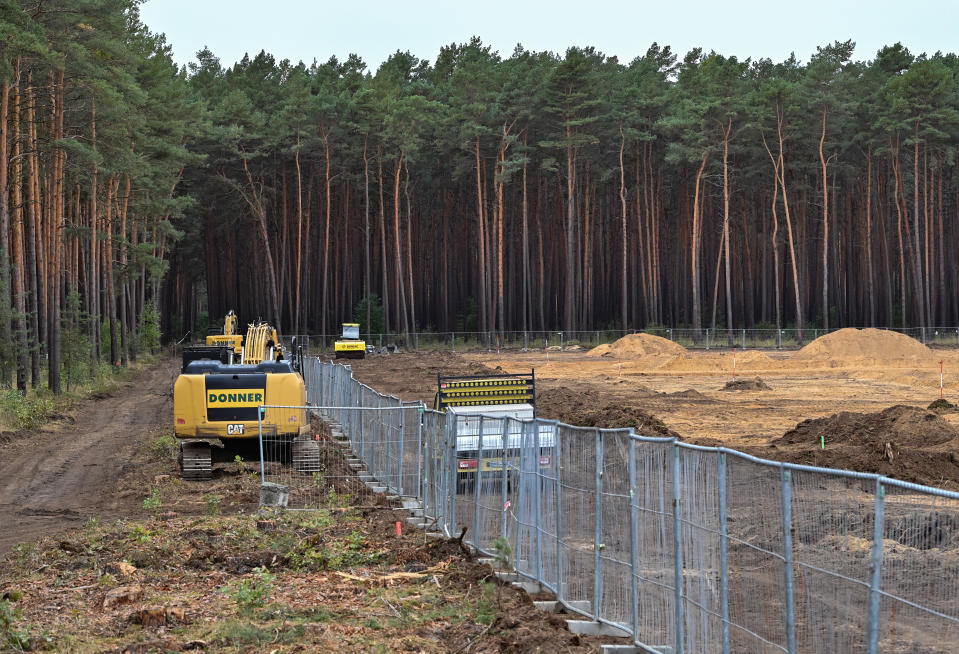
[{"x": 659, "y": 387}]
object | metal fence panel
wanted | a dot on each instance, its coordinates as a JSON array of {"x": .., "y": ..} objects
[{"x": 693, "y": 548}]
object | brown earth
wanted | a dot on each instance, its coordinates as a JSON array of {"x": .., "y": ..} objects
[
  {"x": 111, "y": 551},
  {"x": 67, "y": 473},
  {"x": 674, "y": 391}
]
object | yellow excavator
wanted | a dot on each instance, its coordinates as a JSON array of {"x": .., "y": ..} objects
[{"x": 219, "y": 396}]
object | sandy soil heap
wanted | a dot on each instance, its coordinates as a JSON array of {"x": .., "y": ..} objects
[
  {"x": 868, "y": 343},
  {"x": 637, "y": 345}
]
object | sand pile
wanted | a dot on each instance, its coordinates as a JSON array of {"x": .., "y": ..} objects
[
  {"x": 637, "y": 345},
  {"x": 870, "y": 344}
]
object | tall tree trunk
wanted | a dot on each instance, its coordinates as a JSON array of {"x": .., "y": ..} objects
[
  {"x": 366, "y": 234},
  {"x": 409, "y": 249},
  {"x": 870, "y": 277},
  {"x": 401, "y": 299},
  {"x": 569, "y": 320},
  {"x": 774, "y": 240},
  {"x": 16, "y": 198},
  {"x": 481, "y": 225},
  {"x": 623, "y": 294},
  {"x": 825, "y": 226},
  {"x": 729, "y": 296},
  {"x": 33, "y": 220},
  {"x": 299, "y": 239},
  {"x": 894, "y": 150},
  {"x": 7, "y": 346},
  {"x": 695, "y": 247},
  {"x": 383, "y": 257},
  {"x": 917, "y": 262}
]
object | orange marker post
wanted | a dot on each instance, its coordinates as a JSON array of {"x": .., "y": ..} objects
[{"x": 399, "y": 528}]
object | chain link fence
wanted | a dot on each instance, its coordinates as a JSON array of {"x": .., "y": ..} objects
[
  {"x": 689, "y": 548},
  {"x": 694, "y": 339}
]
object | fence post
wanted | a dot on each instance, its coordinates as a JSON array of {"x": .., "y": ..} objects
[
  {"x": 744, "y": 339},
  {"x": 707, "y": 338},
  {"x": 558, "y": 491},
  {"x": 259, "y": 422},
  {"x": 419, "y": 449},
  {"x": 504, "y": 442},
  {"x": 537, "y": 499},
  {"x": 477, "y": 535},
  {"x": 453, "y": 342},
  {"x": 525, "y": 340},
  {"x": 678, "y": 555},
  {"x": 399, "y": 462},
  {"x": 723, "y": 551},
  {"x": 452, "y": 473},
  {"x": 779, "y": 339},
  {"x": 633, "y": 535},
  {"x": 598, "y": 531},
  {"x": 872, "y": 628},
  {"x": 788, "y": 561}
]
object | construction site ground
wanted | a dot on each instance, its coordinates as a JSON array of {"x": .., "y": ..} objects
[
  {"x": 104, "y": 549},
  {"x": 836, "y": 403},
  {"x": 107, "y": 550}
]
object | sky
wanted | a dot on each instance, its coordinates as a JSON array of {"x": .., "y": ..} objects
[{"x": 307, "y": 30}]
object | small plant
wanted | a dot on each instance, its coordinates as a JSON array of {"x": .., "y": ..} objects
[
  {"x": 107, "y": 580},
  {"x": 212, "y": 504},
  {"x": 153, "y": 502},
  {"x": 240, "y": 465},
  {"x": 253, "y": 592},
  {"x": 11, "y": 635},
  {"x": 485, "y": 610},
  {"x": 164, "y": 446},
  {"x": 140, "y": 534},
  {"x": 502, "y": 550}
]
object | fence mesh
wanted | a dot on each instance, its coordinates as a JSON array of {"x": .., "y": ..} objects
[{"x": 693, "y": 548}]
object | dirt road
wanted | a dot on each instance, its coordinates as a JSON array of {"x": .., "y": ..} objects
[{"x": 58, "y": 478}]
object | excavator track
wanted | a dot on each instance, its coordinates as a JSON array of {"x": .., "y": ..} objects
[
  {"x": 196, "y": 460},
  {"x": 306, "y": 456}
]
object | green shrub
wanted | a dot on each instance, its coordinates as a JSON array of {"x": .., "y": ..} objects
[{"x": 253, "y": 592}]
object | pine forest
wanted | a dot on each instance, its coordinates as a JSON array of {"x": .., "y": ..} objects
[{"x": 479, "y": 191}]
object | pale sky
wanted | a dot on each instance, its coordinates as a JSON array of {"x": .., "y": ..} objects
[{"x": 374, "y": 29}]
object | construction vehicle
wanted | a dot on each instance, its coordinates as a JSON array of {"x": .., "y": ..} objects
[
  {"x": 479, "y": 402},
  {"x": 219, "y": 398},
  {"x": 350, "y": 345}
]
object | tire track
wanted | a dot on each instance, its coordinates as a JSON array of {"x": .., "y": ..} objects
[{"x": 57, "y": 479}]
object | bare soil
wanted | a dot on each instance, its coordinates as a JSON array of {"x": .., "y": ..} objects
[
  {"x": 70, "y": 471},
  {"x": 107, "y": 550},
  {"x": 659, "y": 388}
]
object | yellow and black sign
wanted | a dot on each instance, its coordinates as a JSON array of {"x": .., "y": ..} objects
[
  {"x": 480, "y": 391},
  {"x": 234, "y": 397}
]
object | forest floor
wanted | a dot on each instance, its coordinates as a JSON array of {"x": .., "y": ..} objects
[{"x": 105, "y": 549}]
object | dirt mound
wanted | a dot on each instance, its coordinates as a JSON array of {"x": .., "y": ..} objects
[
  {"x": 637, "y": 345},
  {"x": 903, "y": 426},
  {"x": 901, "y": 442},
  {"x": 687, "y": 394},
  {"x": 741, "y": 384},
  {"x": 579, "y": 408},
  {"x": 878, "y": 344}
]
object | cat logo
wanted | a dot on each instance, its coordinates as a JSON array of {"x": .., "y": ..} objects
[{"x": 234, "y": 430}]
